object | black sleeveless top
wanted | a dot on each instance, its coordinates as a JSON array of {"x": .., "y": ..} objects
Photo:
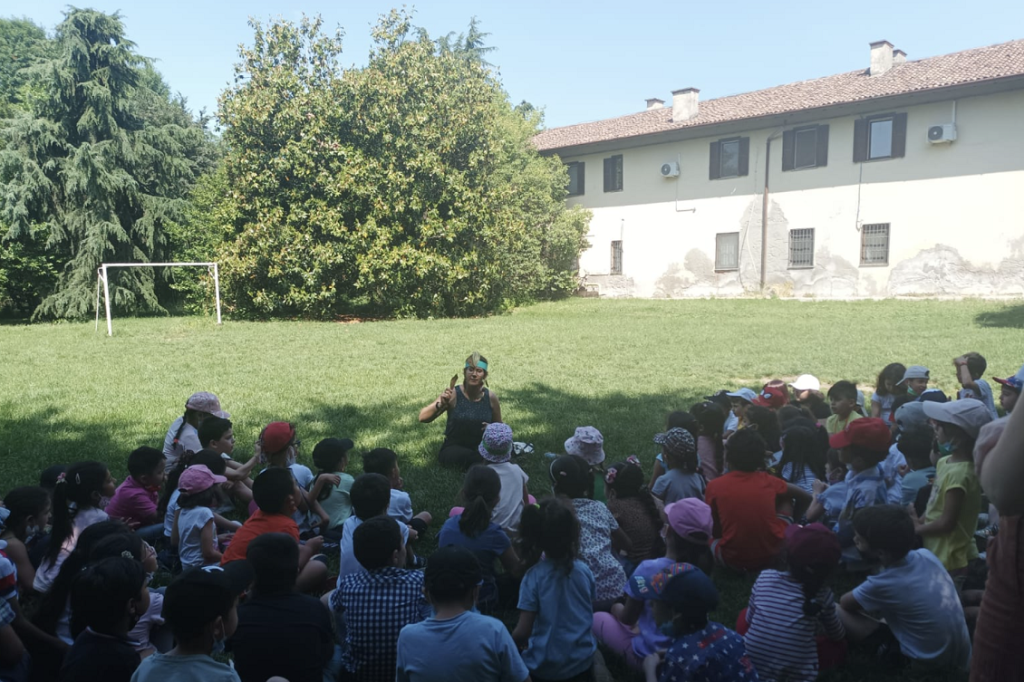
[{"x": 465, "y": 422}]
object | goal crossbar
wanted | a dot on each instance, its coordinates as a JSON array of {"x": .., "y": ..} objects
[{"x": 103, "y": 281}]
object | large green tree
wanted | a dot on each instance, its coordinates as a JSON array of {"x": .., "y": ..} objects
[
  {"x": 98, "y": 166},
  {"x": 410, "y": 184}
]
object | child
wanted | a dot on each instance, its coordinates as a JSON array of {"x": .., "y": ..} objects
[
  {"x": 169, "y": 500},
  {"x": 862, "y": 447},
  {"x": 378, "y": 601},
  {"x": 970, "y": 367},
  {"x": 14, "y": 661},
  {"x": 201, "y": 608},
  {"x": 767, "y": 424},
  {"x": 588, "y": 444},
  {"x": 217, "y": 434},
  {"x": 474, "y": 530},
  {"x": 682, "y": 480},
  {"x": 1009, "y": 391},
  {"x": 29, "y": 509},
  {"x": 332, "y": 485},
  {"x": 496, "y": 449},
  {"x": 913, "y": 593},
  {"x": 76, "y": 506},
  {"x": 951, "y": 517},
  {"x": 385, "y": 462},
  {"x": 183, "y": 434},
  {"x": 916, "y": 380},
  {"x": 370, "y": 495},
  {"x": 555, "y": 618},
  {"x": 676, "y": 420},
  {"x": 842, "y": 399},
  {"x": 710, "y": 440},
  {"x": 739, "y": 401},
  {"x": 135, "y": 501},
  {"x": 107, "y": 599},
  {"x": 600, "y": 536},
  {"x": 194, "y": 532},
  {"x": 700, "y": 649},
  {"x": 887, "y": 389},
  {"x": 722, "y": 399},
  {"x": 633, "y": 507},
  {"x": 807, "y": 393},
  {"x": 456, "y": 644},
  {"x": 273, "y": 492},
  {"x": 773, "y": 395},
  {"x": 787, "y": 606},
  {"x": 744, "y": 505},
  {"x": 279, "y": 446},
  {"x": 803, "y": 458},
  {"x": 915, "y": 443}
]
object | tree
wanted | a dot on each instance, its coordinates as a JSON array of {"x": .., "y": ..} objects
[
  {"x": 23, "y": 45},
  {"x": 98, "y": 166}
]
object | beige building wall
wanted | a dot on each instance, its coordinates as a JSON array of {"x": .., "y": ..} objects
[{"x": 956, "y": 212}]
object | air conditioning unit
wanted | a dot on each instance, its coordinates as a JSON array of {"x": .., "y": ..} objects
[
  {"x": 943, "y": 134},
  {"x": 670, "y": 169}
]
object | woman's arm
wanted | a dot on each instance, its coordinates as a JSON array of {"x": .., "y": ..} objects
[
  {"x": 1002, "y": 469},
  {"x": 495, "y": 407},
  {"x": 444, "y": 402},
  {"x": 208, "y": 544},
  {"x": 945, "y": 523},
  {"x": 524, "y": 628}
]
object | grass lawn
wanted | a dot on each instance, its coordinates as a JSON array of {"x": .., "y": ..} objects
[{"x": 71, "y": 394}]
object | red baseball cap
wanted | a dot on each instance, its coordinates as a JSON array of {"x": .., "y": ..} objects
[
  {"x": 869, "y": 433},
  {"x": 276, "y": 437},
  {"x": 772, "y": 397},
  {"x": 811, "y": 546}
]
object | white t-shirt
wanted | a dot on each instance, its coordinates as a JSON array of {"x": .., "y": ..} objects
[
  {"x": 732, "y": 422},
  {"x": 48, "y": 571},
  {"x": 349, "y": 564},
  {"x": 400, "y": 506},
  {"x": 885, "y": 404},
  {"x": 510, "y": 505},
  {"x": 986, "y": 396},
  {"x": 189, "y": 439},
  {"x": 190, "y": 535}
]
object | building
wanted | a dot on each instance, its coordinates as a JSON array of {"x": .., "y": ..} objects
[{"x": 905, "y": 178}]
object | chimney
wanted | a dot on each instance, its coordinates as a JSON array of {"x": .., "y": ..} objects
[
  {"x": 881, "y": 57},
  {"x": 655, "y": 103},
  {"x": 898, "y": 57},
  {"x": 684, "y": 104}
]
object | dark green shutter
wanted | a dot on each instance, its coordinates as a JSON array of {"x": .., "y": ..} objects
[
  {"x": 744, "y": 156},
  {"x": 860, "y": 140},
  {"x": 715, "y": 169},
  {"x": 821, "y": 146},
  {"x": 899, "y": 135},
  {"x": 788, "y": 149}
]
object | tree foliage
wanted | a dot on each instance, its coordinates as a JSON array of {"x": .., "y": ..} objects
[
  {"x": 23, "y": 45},
  {"x": 410, "y": 184}
]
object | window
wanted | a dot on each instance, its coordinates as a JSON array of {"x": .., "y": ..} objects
[
  {"x": 801, "y": 248},
  {"x": 577, "y": 185},
  {"x": 613, "y": 173},
  {"x": 730, "y": 158},
  {"x": 805, "y": 147},
  {"x": 617, "y": 257},
  {"x": 727, "y": 251},
  {"x": 880, "y": 137},
  {"x": 874, "y": 244}
]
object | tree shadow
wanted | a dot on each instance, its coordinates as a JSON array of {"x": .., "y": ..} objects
[{"x": 1007, "y": 317}]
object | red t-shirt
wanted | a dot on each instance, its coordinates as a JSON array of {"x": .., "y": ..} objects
[
  {"x": 743, "y": 505},
  {"x": 258, "y": 524}
]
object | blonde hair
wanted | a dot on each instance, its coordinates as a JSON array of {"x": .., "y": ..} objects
[{"x": 474, "y": 360}]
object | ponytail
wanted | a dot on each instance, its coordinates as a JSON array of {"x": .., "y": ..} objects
[
  {"x": 73, "y": 493},
  {"x": 551, "y": 530},
  {"x": 480, "y": 490}
]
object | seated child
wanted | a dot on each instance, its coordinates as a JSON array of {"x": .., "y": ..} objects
[
  {"x": 807, "y": 393},
  {"x": 194, "y": 532},
  {"x": 279, "y": 446},
  {"x": 744, "y": 504},
  {"x": 378, "y": 601},
  {"x": 916, "y": 445},
  {"x": 169, "y": 499},
  {"x": 843, "y": 401},
  {"x": 767, "y": 424},
  {"x": 216, "y": 434},
  {"x": 1009, "y": 391},
  {"x": 106, "y": 600},
  {"x": 634, "y": 509},
  {"x": 739, "y": 401},
  {"x": 370, "y": 496},
  {"x": 135, "y": 501},
  {"x": 677, "y": 420},
  {"x": 913, "y": 593},
  {"x": 862, "y": 447},
  {"x": 887, "y": 389},
  {"x": 496, "y": 449},
  {"x": 274, "y": 494},
  {"x": 29, "y": 508},
  {"x": 803, "y": 457},
  {"x": 710, "y": 439},
  {"x": 699, "y": 649},
  {"x": 970, "y": 367},
  {"x": 201, "y": 608},
  {"x": 14, "y": 660},
  {"x": 554, "y": 628},
  {"x": 587, "y": 443},
  {"x": 331, "y": 486},
  {"x": 385, "y": 462},
  {"x": 456, "y": 644},
  {"x": 683, "y": 478},
  {"x": 830, "y": 495}
]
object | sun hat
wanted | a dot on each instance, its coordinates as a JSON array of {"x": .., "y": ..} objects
[
  {"x": 207, "y": 402},
  {"x": 969, "y": 414},
  {"x": 198, "y": 596},
  {"x": 677, "y": 441},
  {"x": 811, "y": 545},
  {"x": 806, "y": 382},
  {"x": 915, "y": 372},
  {"x": 682, "y": 586},
  {"x": 909, "y": 415},
  {"x": 869, "y": 433},
  {"x": 276, "y": 437},
  {"x": 197, "y": 478},
  {"x": 743, "y": 394},
  {"x": 688, "y": 517},
  {"x": 772, "y": 397},
  {"x": 496, "y": 445},
  {"x": 1016, "y": 382},
  {"x": 587, "y": 443}
]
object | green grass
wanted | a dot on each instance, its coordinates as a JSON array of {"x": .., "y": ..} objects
[{"x": 70, "y": 393}]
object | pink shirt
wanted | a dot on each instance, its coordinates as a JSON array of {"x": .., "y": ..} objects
[
  {"x": 132, "y": 503},
  {"x": 706, "y": 455}
]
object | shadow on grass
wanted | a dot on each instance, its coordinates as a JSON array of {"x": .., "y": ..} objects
[{"x": 1009, "y": 317}]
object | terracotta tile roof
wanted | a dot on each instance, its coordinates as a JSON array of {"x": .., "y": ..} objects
[{"x": 969, "y": 66}]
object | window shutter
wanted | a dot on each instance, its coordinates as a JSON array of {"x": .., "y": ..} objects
[
  {"x": 581, "y": 185},
  {"x": 744, "y": 155},
  {"x": 607, "y": 174},
  {"x": 788, "y": 149},
  {"x": 860, "y": 140},
  {"x": 822, "y": 146},
  {"x": 899, "y": 135},
  {"x": 715, "y": 170}
]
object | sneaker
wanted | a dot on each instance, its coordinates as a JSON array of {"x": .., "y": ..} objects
[{"x": 520, "y": 449}]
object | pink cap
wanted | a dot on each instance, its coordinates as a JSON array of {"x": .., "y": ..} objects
[
  {"x": 688, "y": 517},
  {"x": 198, "y": 478},
  {"x": 204, "y": 401}
]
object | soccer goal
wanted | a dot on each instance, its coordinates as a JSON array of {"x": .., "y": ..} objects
[{"x": 103, "y": 282}]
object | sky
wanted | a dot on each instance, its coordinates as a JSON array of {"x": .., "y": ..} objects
[{"x": 578, "y": 61}]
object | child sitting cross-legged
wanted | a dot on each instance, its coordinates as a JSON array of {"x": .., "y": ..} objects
[
  {"x": 634, "y": 509},
  {"x": 168, "y": 504},
  {"x": 915, "y": 442},
  {"x": 135, "y": 501},
  {"x": 456, "y": 644},
  {"x": 279, "y": 446},
  {"x": 370, "y": 494},
  {"x": 331, "y": 486},
  {"x": 194, "y": 532},
  {"x": 683, "y": 478},
  {"x": 385, "y": 462},
  {"x": 843, "y": 399},
  {"x": 496, "y": 449}
]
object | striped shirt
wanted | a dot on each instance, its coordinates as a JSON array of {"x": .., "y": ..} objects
[
  {"x": 780, "y": 641},
  {"x": 805, "y": 481}
]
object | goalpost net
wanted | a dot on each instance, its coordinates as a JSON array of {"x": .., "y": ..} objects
[{"x": 103, "y": 282}]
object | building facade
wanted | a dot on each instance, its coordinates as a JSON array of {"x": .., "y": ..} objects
[{"x": 906, "y": 178}]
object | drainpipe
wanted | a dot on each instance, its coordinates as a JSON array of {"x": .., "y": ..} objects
[{"x": 764, "y": 208}]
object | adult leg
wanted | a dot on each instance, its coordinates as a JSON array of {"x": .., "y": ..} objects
[{"x": 458, "y": 456}]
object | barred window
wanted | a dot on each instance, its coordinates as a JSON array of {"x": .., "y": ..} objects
[
  {"x": 617, "y": 258},
  {"x": 874, "y": 244},
  {"x": 727, "y": 251},
  {"x": 801, "y": 248}
]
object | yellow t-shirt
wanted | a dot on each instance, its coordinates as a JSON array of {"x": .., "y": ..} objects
[
  {"x": 956, "y": 548},
  {"x": 836, "y": 425}
]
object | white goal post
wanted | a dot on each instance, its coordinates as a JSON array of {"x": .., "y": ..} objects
[{"x": 101, "y": 279}]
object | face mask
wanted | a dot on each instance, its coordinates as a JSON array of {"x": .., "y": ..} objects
[
  {"x": 911, "y": 392},
  {"x": 946, "y": 449},
  {"x": 218, "y": 646}
]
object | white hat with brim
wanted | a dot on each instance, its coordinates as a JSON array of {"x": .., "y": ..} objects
[
  {"x": 915, "y": 372},
  {"x": 969, "y": 414},
  {"x": 806, "y": 382},
  {"x": 744, "y": 394}
]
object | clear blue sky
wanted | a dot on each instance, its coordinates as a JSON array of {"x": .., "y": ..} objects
[{"x": 580, "y": 61}]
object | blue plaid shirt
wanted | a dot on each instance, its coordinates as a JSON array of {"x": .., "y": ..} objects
[{"x": 377, "y": 605}]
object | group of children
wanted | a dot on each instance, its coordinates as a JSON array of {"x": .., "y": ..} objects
[{"x": 786, "y": 485}]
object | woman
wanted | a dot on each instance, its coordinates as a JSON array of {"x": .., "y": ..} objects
[{"x": 470, "y": 408}]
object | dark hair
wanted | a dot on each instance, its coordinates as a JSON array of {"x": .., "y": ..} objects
[
  {"x": 683, "y": 420},
  {"x": 380, "y": 461},
  {"x": 787, "y": 414},
  {"x": 481, "y": 490},
  {"x": 116, "y": 544},
  {"x": 887, "y": 528},
  {"x": 48, "y": 479},
  {"x": 571, "y": 476},
  {"x": 745, "y": 450},
  {"x": 964, "y": 440},
  {"x": 802, "y": 447},
  {"x": 375, "y": 542},
  {"x": 275, "y": 562},
  {"x": 629, "y": 483},
  {"x": 843, "y": 390},
  {"x": 711, "y": 418},
  {"x": 901, "y": 400},
  {"x": 100, "y": 593},
  {"x": 869, "y": 457},
  {"x": 452, "y": 573},
  {"x": 213, "y": 428},
  {"x": 812, "y": 578},
  {"x": 915, "y": 442},
  {"x": 144, "y": 461},
  {"x": 551, "y": 529},
  {"x": 80, "y": 482},
  {"x": 892, "y": 372},
  {"x": 25, "y": 502},
  {"x": 208, "y": 458},
  {"x": 370, "y": 495},
  {"x": 327, "y": 457},
  {"x": 272, "y": 488},
  {"x": 767, "y": 425},
  {"x": 696, "y": 553},
  {"x": 976, "y": 364}
]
